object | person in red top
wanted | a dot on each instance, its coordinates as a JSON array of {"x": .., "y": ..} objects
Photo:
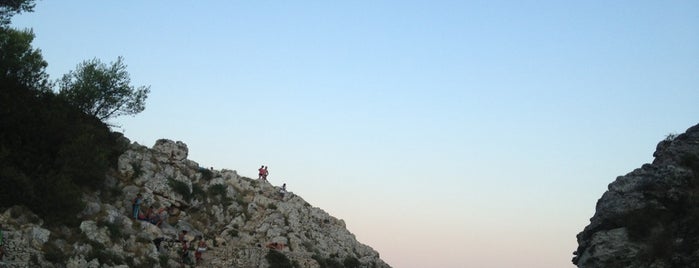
[{"x": 261, "y": 173}]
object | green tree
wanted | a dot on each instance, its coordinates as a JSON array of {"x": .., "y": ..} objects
[
  {"x": 19, "y": 62},
  {"x": 9, "y": 8},
  {"x": 103, "y": 91}
]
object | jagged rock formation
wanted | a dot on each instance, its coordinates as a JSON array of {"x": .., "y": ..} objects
[
  {"x": 649, "y": 217},
  {"x": 237, "y": 217}
]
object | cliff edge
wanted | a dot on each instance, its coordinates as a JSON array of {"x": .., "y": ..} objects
[{"x": 650, "y": 216}]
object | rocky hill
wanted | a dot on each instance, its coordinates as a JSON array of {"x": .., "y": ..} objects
[
  {"x": 244, "y": 222},
  {"x": 649, "y": 217}
]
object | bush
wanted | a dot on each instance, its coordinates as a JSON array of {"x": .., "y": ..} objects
[
  {"x": 113, "y": 228},
  {"x": 104, "y": 256},
  {"x": 327, "y": 262},
  {"x": 218, "y": 189},
  {"x": 180, "y": 188},
  {"x": 206, "y": 174},
  {"x": 233, "y": 233},
  {"x": 197, "y": 191},
  {"x": 277, "y": 259},
  {"x": 53, "y": 253},
  {"x": 163, "y": 260},
  {"x": 351, "y": 262},
  {"x": 49, "y": 152}
]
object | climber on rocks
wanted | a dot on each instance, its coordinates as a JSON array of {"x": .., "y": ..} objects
[
  {"x": 201, "y": 247},
  {"x": 136, "y": 205}
]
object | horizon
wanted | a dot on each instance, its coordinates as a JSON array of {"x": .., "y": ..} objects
[{"x": 444, "y": 134}]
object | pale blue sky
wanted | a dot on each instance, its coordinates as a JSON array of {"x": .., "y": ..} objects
[{"x": 445, "y": 133}]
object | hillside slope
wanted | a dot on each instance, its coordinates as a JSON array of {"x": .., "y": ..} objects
[{"x": 244, "y": 222}]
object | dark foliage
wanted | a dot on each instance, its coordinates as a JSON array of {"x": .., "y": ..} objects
[
  {"x": 180, "y": 188},
  {"x": 327, "y": 262},
  {"x": 206, "y": 174},
  {"x": 53, "y": 253},
  {"x": 20, "y": 62},
  {"x": 277, "y": 259},
  {"x": 49, "y": 151},
  {"x": 9, "y": 8},
  {"x": 351, "y": 262}
]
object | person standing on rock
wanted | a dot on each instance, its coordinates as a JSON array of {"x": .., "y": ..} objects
[
  {"x": 136, "y": 205},
  {"x": 185, "y": 248},
  {"x": 282, "y": 191},
  {"x": 201, "y": 247},
  {"x": 266, "y": 172},
  {"x": 261, "y": 173}
]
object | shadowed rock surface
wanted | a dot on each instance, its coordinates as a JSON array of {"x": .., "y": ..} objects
[{"x": 649, "y": 217}]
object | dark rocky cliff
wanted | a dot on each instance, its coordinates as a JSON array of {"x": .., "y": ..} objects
[{"x": 649, "y": 217}]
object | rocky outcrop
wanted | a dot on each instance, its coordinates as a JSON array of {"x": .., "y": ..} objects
[
  {"x": 239, "y": 219},
  {"x": 649, "y": 217}
]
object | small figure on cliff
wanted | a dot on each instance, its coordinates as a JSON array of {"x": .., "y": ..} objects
[
  {"x": 153, "y": 216},
  {"x": 136, "y": 205},
  {"x": 201, "y": 247},
  {"x": 184, "y": 254},
  {"x": 2, "y": 244},
  {"x": 182, "y": 236},
  {"x": 266, "y": 172},
  {"x": 261, "y": 172},
  {"x": 158, "y": 216},
  {"x": 282, "y": 192}
]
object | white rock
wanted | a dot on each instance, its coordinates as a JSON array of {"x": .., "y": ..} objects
[
  {"x": 38, "y": 236},
  {"x": 94, "y": 233}
]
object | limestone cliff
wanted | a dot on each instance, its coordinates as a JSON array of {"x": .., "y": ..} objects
[
  {"x": 649, "y": 217},
  {"x": 244, "y": 222}
]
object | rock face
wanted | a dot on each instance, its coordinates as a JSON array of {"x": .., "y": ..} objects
[
  {"x": 243, "y": 222},
  {"x": 649, "y": 217}
]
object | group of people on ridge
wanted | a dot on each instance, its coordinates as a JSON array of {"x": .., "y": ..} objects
[
  {"x": 201, "y": 247},
  {"x": 263, "y": 172},
  {"x": 151, "y": 215}
]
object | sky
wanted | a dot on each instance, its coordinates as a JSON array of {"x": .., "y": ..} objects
[{"x": 444, "y": 133}]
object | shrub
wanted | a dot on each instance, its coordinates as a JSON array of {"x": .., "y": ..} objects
[
  {"x": 113, "y": 228},
  {"x": 54, "y": 254},
  {"x": 180, "y": 188},
  {"x": 272, "y": 206},
  {"x": 277, "y": 259},
  {"x": 163, "y": 260},
  {"x": 351, "y": 262},
  {"x": 197, "y": 191},
  {"x": 137, "y": 170},
  {"x": 206, "y": 174},
  {"x": 103, "y": 255},
  {"x": 49, "y": 151},
  {"x": 233, "y": 233},
  {"x": 217, "y": 189},
  {"x": 671, "y": 136},
  {"x": 327, "y": 262}
]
